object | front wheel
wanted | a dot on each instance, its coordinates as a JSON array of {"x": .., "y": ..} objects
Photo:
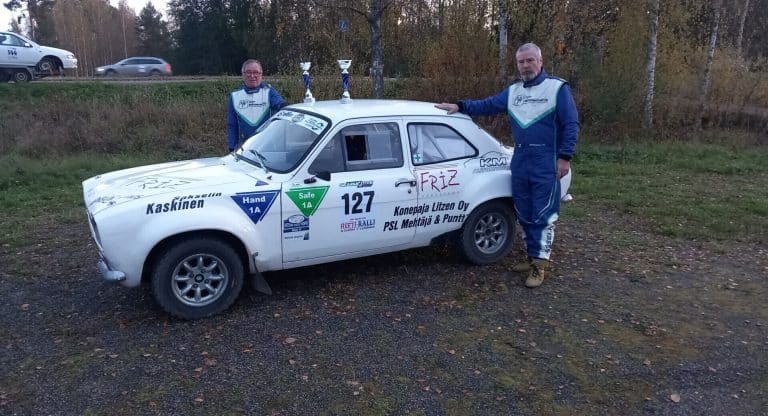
[
  {"x": 48, "y": 66},
  {"x": 197, "y": 278},
  {"x": 487, "y": 235}
]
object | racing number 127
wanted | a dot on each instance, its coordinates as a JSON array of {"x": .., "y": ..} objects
[{"x": 356, "y": 199}]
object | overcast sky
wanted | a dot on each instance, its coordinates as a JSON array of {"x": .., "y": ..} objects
[{"x": 136, "y": 5}]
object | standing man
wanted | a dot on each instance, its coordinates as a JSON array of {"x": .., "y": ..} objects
[
  {"x": 250, "y": 105},
  {"x": 545, "y": 125}
]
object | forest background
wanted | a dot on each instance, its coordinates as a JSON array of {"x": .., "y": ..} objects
[{"x": 665, "y": 68}]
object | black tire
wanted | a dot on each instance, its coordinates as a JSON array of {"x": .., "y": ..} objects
[
  {"x": 48, "y": 66},
  {"x": 21, "y": 75},
  {"x": 197, "y": 278},
  {"x": 487, "y": 235},
  {"x": 111, "y": 73},
  {"x": 155, "y": 73}
]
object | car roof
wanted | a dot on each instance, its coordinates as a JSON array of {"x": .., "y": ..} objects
[{"x": 359, "y": 108}]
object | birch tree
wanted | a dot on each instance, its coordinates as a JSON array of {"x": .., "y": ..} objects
[
  {"x": 706, "y": 82},
  {"x": 650, "y": 68},
  {"x": 503, "y": 38},
  {"x": 740, "y": 35}
]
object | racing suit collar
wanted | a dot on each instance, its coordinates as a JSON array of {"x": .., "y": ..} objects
[
  {"x": 253, "y": 90},
  {"x": 536, "y": 81}
]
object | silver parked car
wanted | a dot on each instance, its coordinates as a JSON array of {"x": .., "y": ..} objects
[{"x": 136, "y": 67}]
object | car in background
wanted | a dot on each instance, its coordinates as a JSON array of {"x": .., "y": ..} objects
[
  {"x": 21, "y": 58},
  {"x": 137, "y": 66},
  {"x": 319, "y": 182}
]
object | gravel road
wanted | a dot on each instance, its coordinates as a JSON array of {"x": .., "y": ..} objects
[{"x": 632, "y": 323}]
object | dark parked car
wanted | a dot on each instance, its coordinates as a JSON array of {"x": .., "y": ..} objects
[{"x": 136, "y": 67}]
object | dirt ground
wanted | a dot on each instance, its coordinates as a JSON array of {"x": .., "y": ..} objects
[{"x": 631, "y": 323}]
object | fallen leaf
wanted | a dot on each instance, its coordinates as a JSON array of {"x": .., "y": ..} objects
[
  {"x": 674, "y": 397},
  {"x": 290, "y": 340},
  {"x": 24, "y": 307}
]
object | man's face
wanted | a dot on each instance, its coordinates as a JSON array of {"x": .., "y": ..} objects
[
  {"x": 252, "y": 75},
  {"x": 528, "y": 63}
]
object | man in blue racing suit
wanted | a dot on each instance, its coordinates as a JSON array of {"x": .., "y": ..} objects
[
  {"x": 545, "y": 125},
  {"x": 251, "y": 105}
]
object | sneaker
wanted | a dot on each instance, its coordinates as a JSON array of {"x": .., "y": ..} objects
[
  {"x": 537, "y": 273},
  {"x": 522, "y": 267}
]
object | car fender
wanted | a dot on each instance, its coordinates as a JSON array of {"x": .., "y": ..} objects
[{"x": 145, "y": 229}]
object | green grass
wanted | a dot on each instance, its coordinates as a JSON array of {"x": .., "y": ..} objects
[
  {"x": 34, "y": 192},
  {"x": 683, "y": 190}
]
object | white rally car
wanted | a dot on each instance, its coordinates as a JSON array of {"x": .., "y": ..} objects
[{"x": 318, "y": 183}]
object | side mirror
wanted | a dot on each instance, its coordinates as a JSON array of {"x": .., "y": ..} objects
[
  {"x": 324, "y": 175},
  {"x": 27, "y": 45}
]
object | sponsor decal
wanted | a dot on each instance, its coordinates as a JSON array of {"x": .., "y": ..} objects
[
  {"x": 255, "y": 204},
  {"x": 426, "y": 215},
  {"x": 438, "y": 181},
  {"x": 295, "y": 223},
  {"x": 489, "y": 162},
  {"x": 180, "y": 203},
  {"x": 304, "y": 120},
  {"x": 356, "y": 184},
  {"x": 357, "y": 224},
  {"x": 159, "y": 182},
  {"x": 308, "y": 199},
  {"x": 522, "y": 99},
  {"x": 243, "y": 104}
]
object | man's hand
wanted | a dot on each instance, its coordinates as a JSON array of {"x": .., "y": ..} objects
[
  {"x": 449, "y": 107},
  {"x": 563, "y": 167}
]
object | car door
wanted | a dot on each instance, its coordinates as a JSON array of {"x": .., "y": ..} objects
[
  {"x": 18, "y": 52},
  {"x": 439, "y": 153},
  {"x": 368, "y": 181}
]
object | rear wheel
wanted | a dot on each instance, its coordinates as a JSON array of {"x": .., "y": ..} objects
[
  {"x": 21, "y": 75},
  {"x": 197, "y": 278},
  {"x": 155, "y": 73},
  {"x": 488, "y": 233}
]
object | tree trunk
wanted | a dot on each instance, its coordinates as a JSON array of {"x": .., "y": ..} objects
[
  {"x": 503, "y": 39},
  {"x": 740, "y": 37},
  {"x": 650, "y": 69},
  {"x": 377, "y": 61},
  {"x": 717, "y": 4}
]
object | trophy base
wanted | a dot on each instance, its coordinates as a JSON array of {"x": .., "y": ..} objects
[{"x": 345, "y": 98}]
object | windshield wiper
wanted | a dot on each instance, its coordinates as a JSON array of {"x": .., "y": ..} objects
[{"x": 262, "y": 159}]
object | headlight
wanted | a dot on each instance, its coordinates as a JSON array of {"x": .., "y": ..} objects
[
  {"x": 100, "y": 69},
  {"x": 70, "y": 56}
]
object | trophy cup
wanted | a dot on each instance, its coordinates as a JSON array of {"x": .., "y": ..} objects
[
  {"x": 308, "y": 98},
  {"x": 344, "y": 64}
]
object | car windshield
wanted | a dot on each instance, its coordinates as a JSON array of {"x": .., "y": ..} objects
[{"x": 283, "y": 141}]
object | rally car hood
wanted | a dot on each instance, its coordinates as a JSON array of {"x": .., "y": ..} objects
[{"x": 198, "y": 176}]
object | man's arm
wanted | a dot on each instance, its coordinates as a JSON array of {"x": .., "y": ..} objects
[
  {"x": 232, "y": 126},
  {"x": 486, "y": 107},
  {"x": 276, "y": 101},
  {"x": 568, "y": 123}
]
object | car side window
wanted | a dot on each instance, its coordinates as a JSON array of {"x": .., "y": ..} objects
[
  {"x": 433, "y": 143},
  {"x": 11, "y": 40},
  {"x": 361, "y": 147},
  {"x": 131, "y": 62}
]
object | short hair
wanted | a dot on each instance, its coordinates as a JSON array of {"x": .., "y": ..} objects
[
  {"x": 248, "y": 62},
  {"x": 528, "y": 46}
]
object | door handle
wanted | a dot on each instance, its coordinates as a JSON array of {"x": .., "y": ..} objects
[{"x": 411, "y": 182}]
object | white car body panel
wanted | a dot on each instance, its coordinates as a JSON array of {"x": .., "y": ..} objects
[
  {"x": 295, "y": 218},
  {"x": 31, "y": 53}
]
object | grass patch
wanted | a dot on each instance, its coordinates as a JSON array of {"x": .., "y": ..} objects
[
  {"x": 683, "y": 190},
  {"x": 37, "y": 192}
]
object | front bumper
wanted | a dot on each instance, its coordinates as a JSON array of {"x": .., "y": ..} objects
[{"x": 112, "y": 276}]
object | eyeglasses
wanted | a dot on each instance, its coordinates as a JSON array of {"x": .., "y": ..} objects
[{"x": 252, "y": 73}]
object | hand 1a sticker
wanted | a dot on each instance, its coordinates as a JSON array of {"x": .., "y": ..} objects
[
  {"x": 308, "y": 199},
  {"x": 255, "y": 204}
]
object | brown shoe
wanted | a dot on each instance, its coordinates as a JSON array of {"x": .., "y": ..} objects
[
  {"x": 522, "y": 267},
  {"x": 539, "y": 269}
]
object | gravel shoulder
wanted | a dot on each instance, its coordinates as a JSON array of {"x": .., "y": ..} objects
[{"x": 631, "y": 323}]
